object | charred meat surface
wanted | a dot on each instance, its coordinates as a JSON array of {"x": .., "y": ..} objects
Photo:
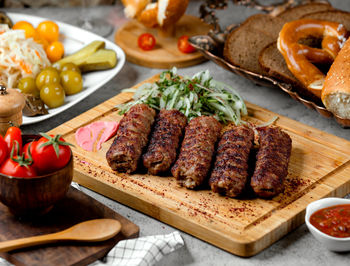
[
  {"x": 197, "y": 149},
  {"x": 165, "y": 141},
  {"x": 271, "y": 162},
  {"x": 131, "y": 138},
  {"x": 230, "y": 173}
]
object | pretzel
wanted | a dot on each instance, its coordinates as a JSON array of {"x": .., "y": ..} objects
[
  {"x": 300, "y": 58},
  {"x": 163, "y": 13}
]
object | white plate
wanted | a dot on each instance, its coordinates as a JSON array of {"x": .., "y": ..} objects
[{"x": 73, "y": 39}]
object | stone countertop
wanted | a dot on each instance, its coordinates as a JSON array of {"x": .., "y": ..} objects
[{"x": 298, "y": 247}]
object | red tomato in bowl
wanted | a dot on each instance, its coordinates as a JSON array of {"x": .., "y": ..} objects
[
  {"x": 146, "y": 41},
  {"x": 18, "y": 166},
  {"x": 3, "y": 149},
  {"x": 28, "y": 150},
  {"x": 50, "y": 153},
  {"x": 13, "y": 135},
  {"x": 184, "y": 46}
]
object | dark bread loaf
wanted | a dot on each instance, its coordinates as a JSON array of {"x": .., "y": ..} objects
[
  {"x": 334, "y": 16},
  {"x": 301, "y": 10},
  {"x": 243, "y": 44}
]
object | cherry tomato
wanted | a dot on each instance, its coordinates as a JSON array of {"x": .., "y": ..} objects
[
  {"x": 28, "y": 28},
  {"x": 48, "y": 30},
  {"x": 50, "y": 153},
  {"x": 3, "y": 149},
  {"x": 184, "y": 46},
  {"x": 146, "y": 41},
  {"x": 55, "y": 51},
  {"x": 44, "y": 43},
  {"x": 26, "y": 150},
  {"x": 18, "y": 166},
  {"x": 13, "y": 139}
]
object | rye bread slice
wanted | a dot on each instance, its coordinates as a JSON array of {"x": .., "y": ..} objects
[
  {"x": 301, "y": 10},
  {"x": 243, "y": 44},
  {"x": 334, "y": 16},
  {"x": 272, "y": 62}
]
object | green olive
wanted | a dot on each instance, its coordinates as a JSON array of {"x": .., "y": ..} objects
[
  {"x": 27, "y": 85},
  {"x": 70, "y": 66},
  {"x": 52, "y": 95},
  {"x": 71, "y": 81},
  {"x": 46, "y": 76}
]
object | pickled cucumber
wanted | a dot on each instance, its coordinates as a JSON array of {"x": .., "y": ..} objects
[
  {"x": 90, "y": 58},
  {"x": 82, "y": 54},
  {"x": 100, "y": 60}
]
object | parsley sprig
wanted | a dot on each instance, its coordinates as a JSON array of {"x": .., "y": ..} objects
[{"x": 196, "y": 96}]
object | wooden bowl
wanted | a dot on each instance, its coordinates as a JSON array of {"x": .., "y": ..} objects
[{"x": 37, "y": 195}]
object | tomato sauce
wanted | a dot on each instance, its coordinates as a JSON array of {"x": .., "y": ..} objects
[{"x": 333, "y": 221}]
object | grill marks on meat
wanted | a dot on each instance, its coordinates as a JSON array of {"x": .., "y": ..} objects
[
  {"x": 191, "y": 169},
  {"x": 230, "y": 173},
  {"x": 197, "y": 149},
  {"x": 272, "y": 162},
  {"x": 131, "y": 138},
  {"x": 164, "y": 142}
]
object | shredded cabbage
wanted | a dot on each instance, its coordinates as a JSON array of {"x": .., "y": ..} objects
[{"x": 19, "y": 57}]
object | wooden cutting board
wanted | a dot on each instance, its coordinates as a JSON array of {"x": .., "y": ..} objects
[
  {"x": 165, "y": 54},
  {"x": 319, "y": 167},
  {"x": 74, "y": 208}
]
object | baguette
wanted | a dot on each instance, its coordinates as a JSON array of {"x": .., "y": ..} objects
[{"x": 336, "y": 89}]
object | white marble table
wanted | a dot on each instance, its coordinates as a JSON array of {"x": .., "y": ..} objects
[{"x": 296, "y": 248}]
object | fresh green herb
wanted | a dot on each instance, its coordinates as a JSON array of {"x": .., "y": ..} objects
[{"x": 196, "y": 96}]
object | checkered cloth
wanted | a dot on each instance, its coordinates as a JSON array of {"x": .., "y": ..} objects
[{"x": 143, "y": 251}]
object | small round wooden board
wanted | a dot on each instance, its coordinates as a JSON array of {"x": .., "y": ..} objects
[{"x": 165, "y": 54}]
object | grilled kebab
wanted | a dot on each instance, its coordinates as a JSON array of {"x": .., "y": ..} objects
[
  {"x": 131, "y": 138},
  {"x": 197, "y": 149}
]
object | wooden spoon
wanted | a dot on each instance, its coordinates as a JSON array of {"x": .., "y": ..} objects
[{"x": 89, "y": 231}]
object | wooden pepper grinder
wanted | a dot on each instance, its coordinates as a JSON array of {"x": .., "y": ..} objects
[{"x": 11, "y": 104}]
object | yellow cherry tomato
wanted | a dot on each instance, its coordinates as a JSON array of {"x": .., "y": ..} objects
[
  {"x": 48, "y": 30},
  {"x": 41, "y": 41},
  {"x": 55, "y": 51},
  {"x": 27, "y": 27}
]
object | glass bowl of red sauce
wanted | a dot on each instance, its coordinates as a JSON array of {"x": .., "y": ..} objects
[{"x": 328, "y": 220}]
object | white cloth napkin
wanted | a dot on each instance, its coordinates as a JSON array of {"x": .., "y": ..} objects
[{"x": 143, "y": 251}]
